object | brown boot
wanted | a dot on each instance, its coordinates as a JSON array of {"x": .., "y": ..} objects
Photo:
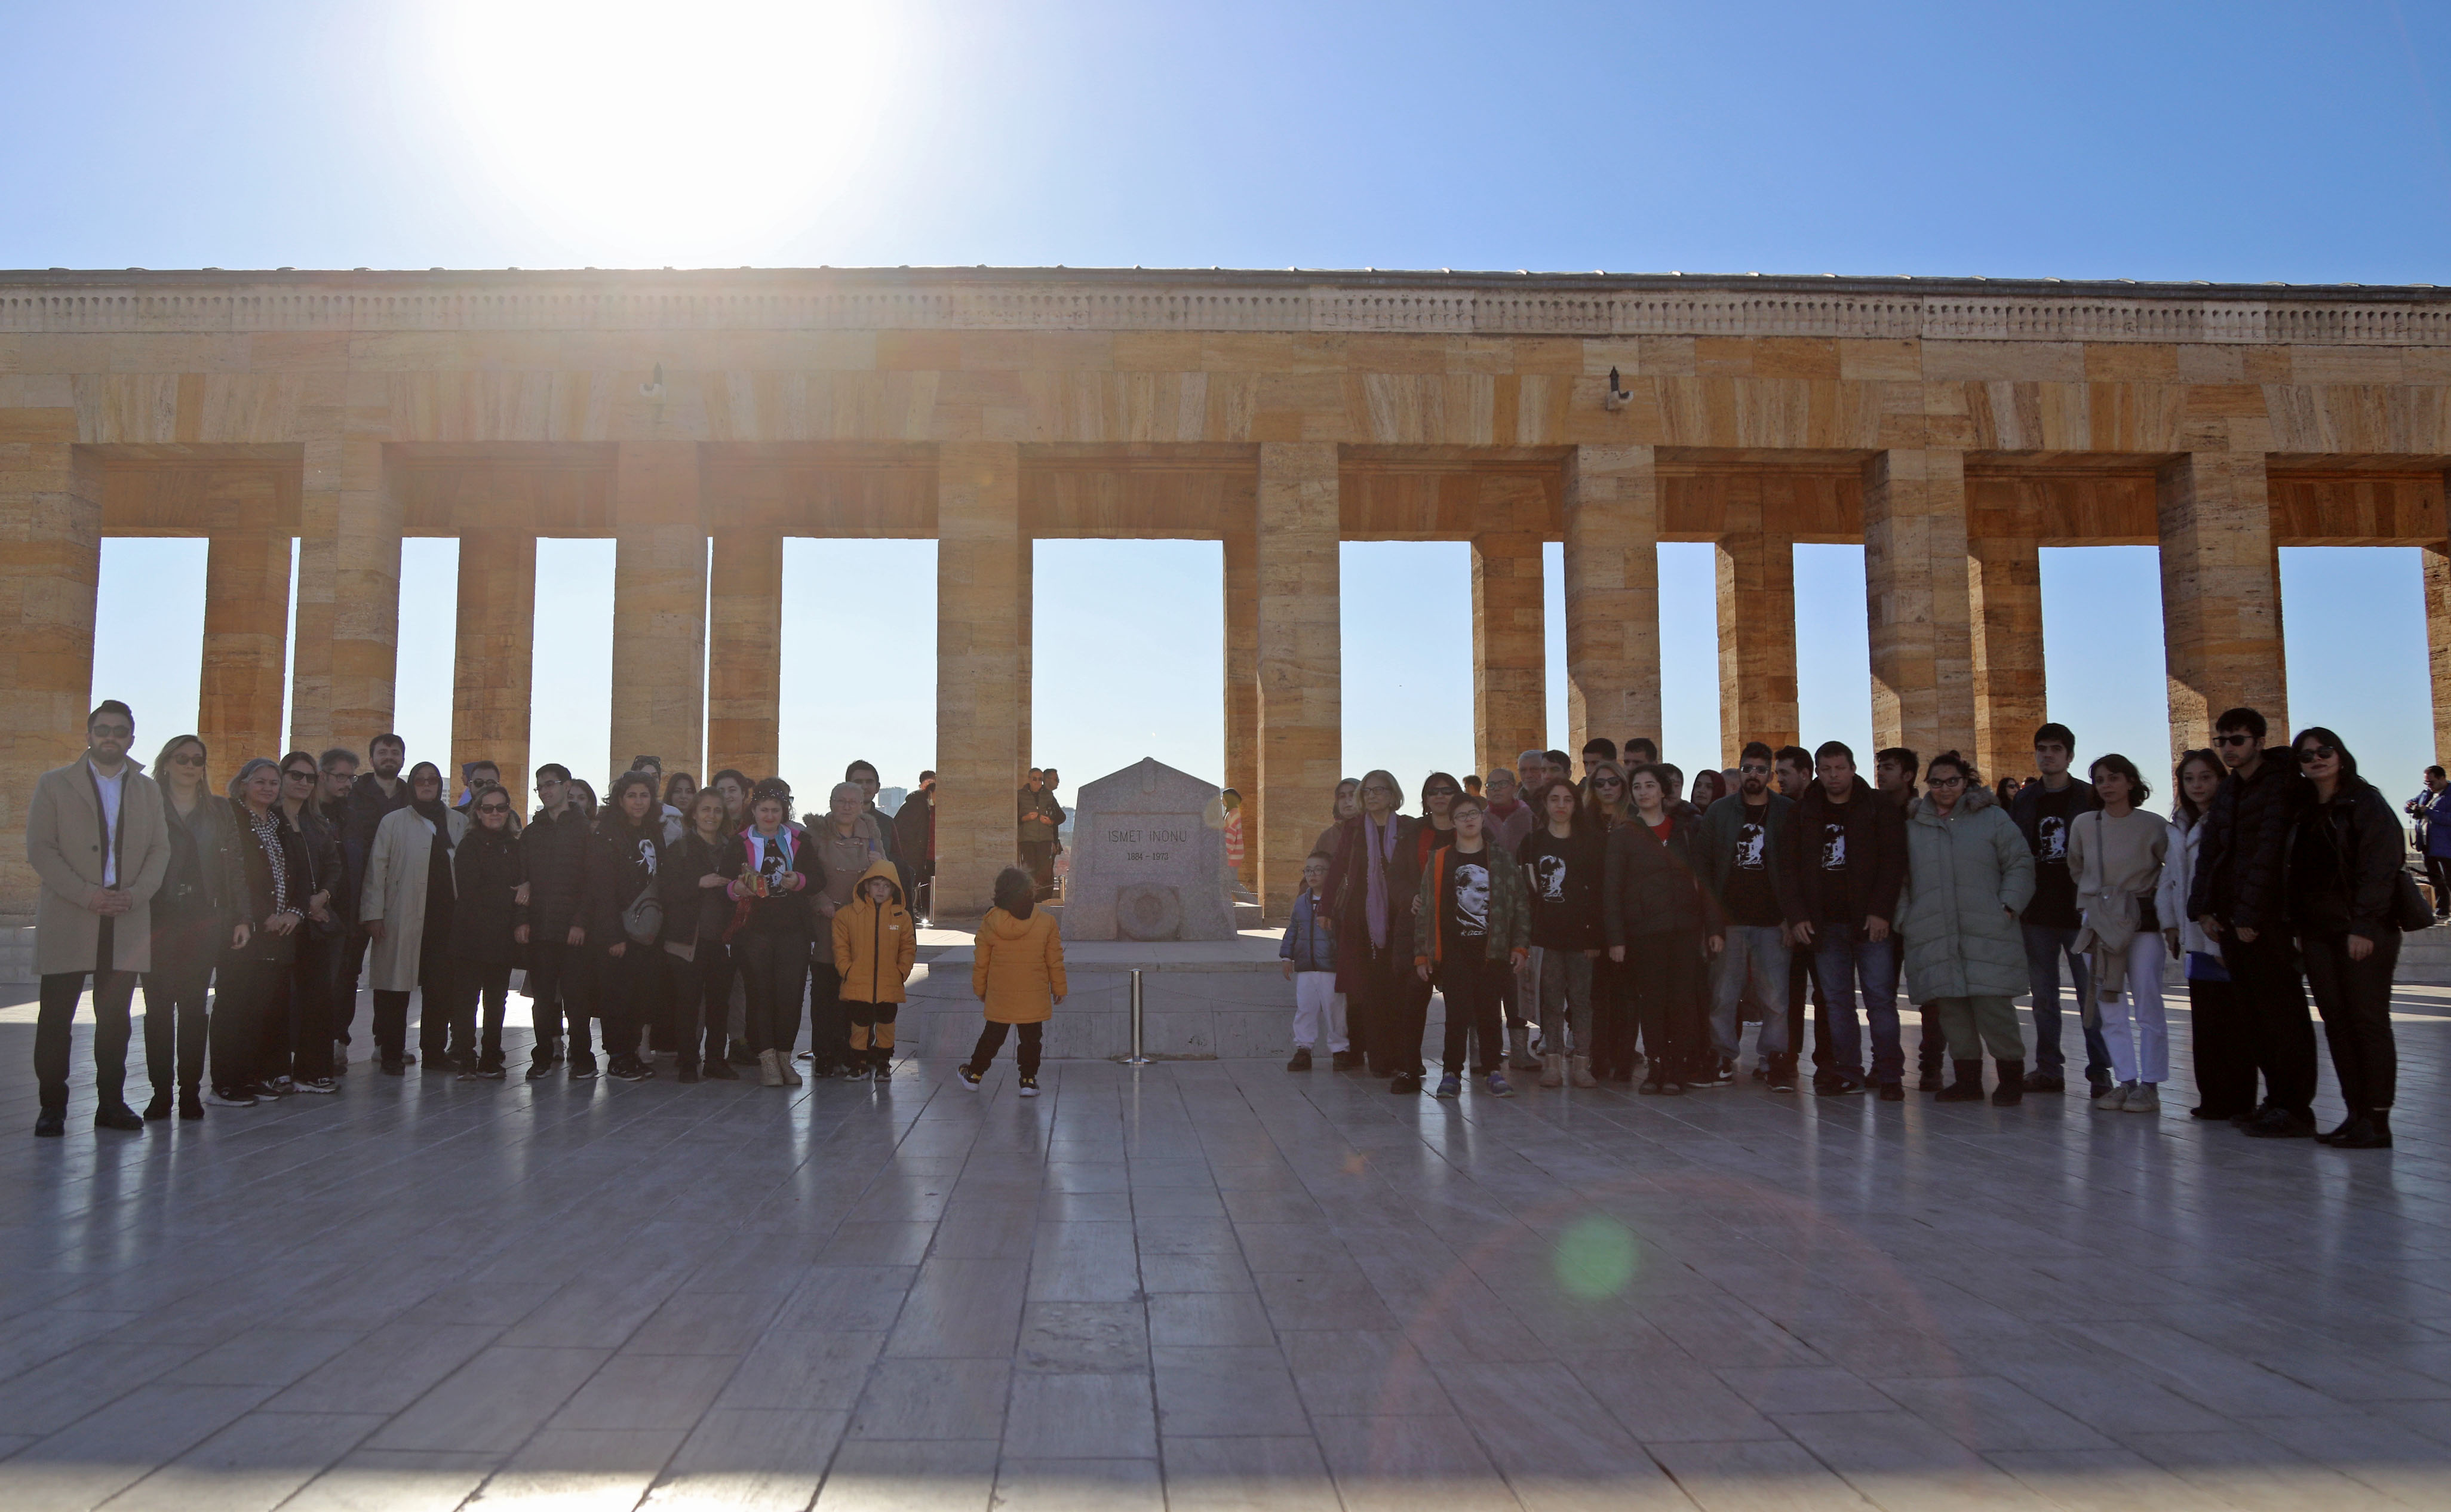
[
  {"x": 1553, "y": 1070},
  {"x": 1579, "y": 1072},
  {"x": 2011, "y": 1089}
]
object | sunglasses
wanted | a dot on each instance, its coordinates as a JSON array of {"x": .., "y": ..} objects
[
  {"x": 2233, "y": 739},
  {"x": 1442, "y": 793},
  {"x": 1608, "y": 783},
  {"x": 2317, "y": 752},
  {"x": 493, "y": 808},
  {"x": 295, "y": 775},
  {"x": 186, "y": 758}
]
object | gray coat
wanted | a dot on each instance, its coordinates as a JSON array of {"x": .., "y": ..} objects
[
  {"x": 1968, "y": 877},
  {"x": 394, "y": 893}
]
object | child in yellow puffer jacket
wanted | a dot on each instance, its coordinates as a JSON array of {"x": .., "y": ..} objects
[{"x": 875, "y": 948}]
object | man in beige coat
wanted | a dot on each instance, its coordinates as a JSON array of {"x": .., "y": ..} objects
[{"x": 96, "y": 836}]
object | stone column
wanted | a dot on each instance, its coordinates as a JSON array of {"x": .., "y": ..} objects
[
  {"x": 1299, "y": 653},
  {"x": 1756, "y": 639},
  {"x": 1243, "y": 690},
  {"x": 978, "y": 638},
  {"x": 1611, "y": 595},
  {"x": 2221, "y": 595},
  {"x": 493, "y": 666},
  {"x": 1510, "y": 691},
  {"x": 658, "y": 608},
  {"x": 2006, "y": 584},
  {"x": 1915, "y": 585},
  {"x": 346, "y": 666},
  {"x": 247, "y": 634},
  {"x": 2438, "y": 642},
  {"x": 744, "y": 695},
  {"x": 50, "y": 558},
  {"x": 1024, "y": 575}
]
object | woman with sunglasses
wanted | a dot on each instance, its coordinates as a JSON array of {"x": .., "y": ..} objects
[
  {"x": 253, "y": 984},
  {"x": 406, "y": 910},
  {"x": 195, "y": 918},
  {"x": 2345, "y": 855},
  {"x": 298, "y": 1047},
  {"x": 1614, "y": 1055},
  {"x": 489, "y": 933}
]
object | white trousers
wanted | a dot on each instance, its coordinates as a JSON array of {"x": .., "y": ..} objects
[
  {"x": 2134, "y": 1029},
  {"x": 1318, "y": 1005}
]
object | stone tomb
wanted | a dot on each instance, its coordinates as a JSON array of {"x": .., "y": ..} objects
[{"x": 1147, "y": 861}]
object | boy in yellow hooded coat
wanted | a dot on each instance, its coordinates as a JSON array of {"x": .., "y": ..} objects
[{"x": 875, "y": 948}]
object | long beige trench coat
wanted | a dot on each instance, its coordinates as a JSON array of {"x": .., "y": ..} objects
[
  {"x": 394, "y": 893},
  {"x": 63, "y": 844}
]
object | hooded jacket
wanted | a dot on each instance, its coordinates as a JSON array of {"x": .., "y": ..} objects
[
  {"x": 1876, "y": 859},
  {"x": 1652, "y": 886},
  {"x": 1311, "y": 940},
  {"x": 2242, "y": 860},
  {"x": 874, "y": 944},
  {"x": 1017, "y": 966},
  {"x": 1968, "y": 875}
]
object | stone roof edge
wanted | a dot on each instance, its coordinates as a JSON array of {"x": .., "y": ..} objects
[{"x": 1326, "y": 301}]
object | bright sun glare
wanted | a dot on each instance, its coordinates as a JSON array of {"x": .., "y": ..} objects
[{"x": 646, "y": 134}]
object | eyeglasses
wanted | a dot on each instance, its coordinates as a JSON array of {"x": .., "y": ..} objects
[
  {"x": 2317, "y": 752},
  {"x": 2234, "y": 740},
  {"x": 115, "y": 732},
  {"x": 1944, "y": 782}
]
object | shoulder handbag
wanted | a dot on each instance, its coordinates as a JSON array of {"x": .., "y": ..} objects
[
  {"x": 643, "y": 920},
  {"x": 2409, "y": 910}
]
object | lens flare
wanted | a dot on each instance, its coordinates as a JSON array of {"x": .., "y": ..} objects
[{"x": 1596, "y": 1257}]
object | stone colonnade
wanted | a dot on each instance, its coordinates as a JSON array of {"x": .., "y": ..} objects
[{"x": 1952, "y": 429}]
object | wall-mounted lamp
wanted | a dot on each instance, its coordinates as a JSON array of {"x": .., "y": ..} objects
[{"x": 1617, "y": 394}]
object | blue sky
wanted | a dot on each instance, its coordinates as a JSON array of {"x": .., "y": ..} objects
[{"x": 2229, "y": 142}]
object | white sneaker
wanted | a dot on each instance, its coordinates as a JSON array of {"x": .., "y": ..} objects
[
  {"x": 2144, "y": 1097},
  {"x": 2113, "y": 1099},
  {"x": 320, "y": 1084}
]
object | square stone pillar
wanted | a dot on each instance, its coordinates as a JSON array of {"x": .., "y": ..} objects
[
  {"x": 744, "y": 695},
  {"x": 1757, "y": 575},
  {"x": 2221, "y": 595},
  {"x": 658, "y": 608},
  {"x": 50, "y": 558},
  {"x": 494, "y": 660},
  {"x": 1243, "y": 691},
  {"x": 246, "y": 636},
  {"x": 2006, "y": 583},
  {"x": 1916, "y": 589},
  {"x": 1510, "y": 693},
  {"x": 978, "y": 662},
  {"x": 2438, "y": 642},
  {"x": 345, "y": 672},
  {"x": 1301, "y": 660},
  {"x": 1025, "y": 585},
  {"x": 1612, "y": 507}
]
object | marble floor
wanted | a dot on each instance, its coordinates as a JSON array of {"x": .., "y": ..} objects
[{"x": 1215, "y": 1285}]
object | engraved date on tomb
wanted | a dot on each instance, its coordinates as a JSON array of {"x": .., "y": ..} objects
[{"x": 1134, "y": 844}]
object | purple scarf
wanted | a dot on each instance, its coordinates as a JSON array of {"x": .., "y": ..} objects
[{"x": 1376, "y": 856}]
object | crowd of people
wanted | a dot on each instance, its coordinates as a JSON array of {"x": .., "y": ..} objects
[
  {"x": 1623, "y": 925},
  {"x": 694, "y": 923},
  {"x": 1595, "y": 928}
]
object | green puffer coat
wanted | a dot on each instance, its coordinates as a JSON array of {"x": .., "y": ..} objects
[{"x": 1968, "y": 877}]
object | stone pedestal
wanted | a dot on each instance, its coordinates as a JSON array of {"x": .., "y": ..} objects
[
  {"x": 658, "y": 608},
  {"x": 50, "y": 558},
  {"x": 246, "y": 651},
  {"x": 2221, "y": 593},
  {"x": 494, "y": 671},
  {"x": 978, "y": 640},
  {"x": 1916, "y": 586},
  {"x": 745, "y": 661},
  {"x": 1612, "y": 506},
  {"x": 1756, "y": 581},
  {"x": 2007, "y": 616},
  {"x": 1300, "y": 660},
  {"x": 1147, "y": 862}
]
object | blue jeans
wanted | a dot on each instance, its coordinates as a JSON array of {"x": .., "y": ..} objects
[
  {"x": 1842, "y": 959},
  {"x": 1755, "y": 952},
  {"x": 2044, "y": 948}
]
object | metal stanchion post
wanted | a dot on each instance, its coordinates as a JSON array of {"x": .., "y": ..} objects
[{"x": 1139, "y": 1056}]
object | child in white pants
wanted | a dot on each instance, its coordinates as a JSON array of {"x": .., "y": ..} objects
[{"x": 1309, "y": 954}]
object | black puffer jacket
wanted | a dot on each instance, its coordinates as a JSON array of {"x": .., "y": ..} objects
[
  {"x": 622, "y": 862},
  {"x": 1652, "y": 886},
  {"x": 555, "y": 851},
  {"x": 2241, "y": 862},
  {"x": 1876, "y": 859},
  {"x": 484, "y": 922},
  {"x": 2343, "y": 863}
]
